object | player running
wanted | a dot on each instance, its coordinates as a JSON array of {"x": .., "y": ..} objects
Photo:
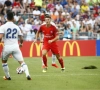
[
  {"x": 50, "y": 33},
  {"x": 53, "y": 56}
]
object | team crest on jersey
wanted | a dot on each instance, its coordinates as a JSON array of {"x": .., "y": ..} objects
[{"x": 51, "y": 31}]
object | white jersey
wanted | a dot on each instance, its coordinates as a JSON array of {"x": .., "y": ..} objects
[{"x": 11, "y": 33}]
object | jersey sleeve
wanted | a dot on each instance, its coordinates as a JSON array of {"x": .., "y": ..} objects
[
  {"x": 1, "y": 29},
  {"x": 54, "y": 25},
  {"x": 55, "y": 31},
  {"x": 40, "y": 29}
]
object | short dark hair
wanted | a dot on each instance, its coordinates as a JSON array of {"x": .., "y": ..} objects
[
  {"x": 10, "y": 15},
  {"x": 47, "y": 16}
]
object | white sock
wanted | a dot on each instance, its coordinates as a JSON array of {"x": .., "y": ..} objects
[
  {"x": 53, "y": 59},
  {"x": 42, "y": 63},
  {"x": 6, "y": 69},
  {"x": 25, "y": 67}
]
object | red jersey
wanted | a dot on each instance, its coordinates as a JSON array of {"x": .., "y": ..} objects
[
  {"x": 48, "y": 32},
  {"x": 32, "y": 5},
  {"x": 16, "y": 4}
]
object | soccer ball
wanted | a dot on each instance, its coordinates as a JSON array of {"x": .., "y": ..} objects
[{"x": 20, "y": 70}]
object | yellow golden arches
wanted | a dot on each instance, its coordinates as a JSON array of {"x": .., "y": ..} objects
[
  {"x": 38, "y": 48},
  {"x": 71, "y": 46}
]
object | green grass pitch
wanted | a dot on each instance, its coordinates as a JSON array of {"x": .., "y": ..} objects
[{"x": 74, "y": 77}]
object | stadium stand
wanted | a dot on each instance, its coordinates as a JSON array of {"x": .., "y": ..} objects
[{"x": 83, "y": 16}]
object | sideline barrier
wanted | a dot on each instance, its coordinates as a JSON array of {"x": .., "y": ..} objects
[
  {"x": 66, "y": 48},
  {"x": 98, "y": 48}
]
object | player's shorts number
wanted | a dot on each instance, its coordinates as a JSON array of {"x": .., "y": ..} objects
[{"x": 11, "y": 33}]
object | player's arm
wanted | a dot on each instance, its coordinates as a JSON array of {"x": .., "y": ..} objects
[
  {"x": 21, "y": 40},
  {"x": 20, "y": 35},
  {"x": 1, "y": 33},
  {"x": 58, "y": 30},
  {"x": 56, "y": 37},
  {"x": 41, "y": 37},
  {"x": 37, "y": 35}
]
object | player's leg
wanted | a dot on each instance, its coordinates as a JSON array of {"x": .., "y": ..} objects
[
  {"x": 55, "y": 50},
  {"x": 25, "y": 67},
  {"x": 5, "y": 54},
  {"x": 18, "y": 56},
  {"x": 42, "y": 58},
  {"x": 6, "y": 70},
  {"x": 43, "y": 66},
  {"x": 54, "y": 61},
  {"x": 45, "y": 49},
  {"x": 60, "y": 61}
]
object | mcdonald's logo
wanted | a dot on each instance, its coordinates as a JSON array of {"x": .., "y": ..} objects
[
  {"x": 71, "y": 48},
  {"x": 38, "y": 48}
]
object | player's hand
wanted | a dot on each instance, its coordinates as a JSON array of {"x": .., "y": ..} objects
[
  {"x": 20, "y": 45},
  {"x": 50, "y": 41},
  {"x": 41, "y": 41}
]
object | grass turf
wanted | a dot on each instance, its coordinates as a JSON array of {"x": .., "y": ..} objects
[{"x": 74, "y": 77}]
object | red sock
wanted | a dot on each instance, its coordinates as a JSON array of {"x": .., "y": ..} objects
[
  {"x": 45, "y": 60},
  {"x": 61, "y": 62}
]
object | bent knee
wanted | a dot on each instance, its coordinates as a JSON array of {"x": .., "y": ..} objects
[{"x": 44, "y": 52}]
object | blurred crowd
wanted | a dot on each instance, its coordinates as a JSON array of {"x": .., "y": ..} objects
[{"x": 75, "y": 19}]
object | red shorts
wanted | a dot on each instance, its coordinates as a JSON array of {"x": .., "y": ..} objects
[{"x": 53, "y": 47}]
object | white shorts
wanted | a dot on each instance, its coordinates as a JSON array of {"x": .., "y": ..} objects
[{"x": 12, "y": 49}]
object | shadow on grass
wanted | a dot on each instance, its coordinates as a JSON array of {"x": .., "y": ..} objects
[{"x": 90, "y": 67}]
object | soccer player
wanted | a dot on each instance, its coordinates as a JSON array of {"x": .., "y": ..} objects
[
  {"x": 10, "y": 34},
  {"x": 53, "y": 56},
  {"x": 50, "y": 33}
]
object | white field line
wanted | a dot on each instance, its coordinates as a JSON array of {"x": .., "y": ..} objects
[{"x": 64, "y": 75}]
